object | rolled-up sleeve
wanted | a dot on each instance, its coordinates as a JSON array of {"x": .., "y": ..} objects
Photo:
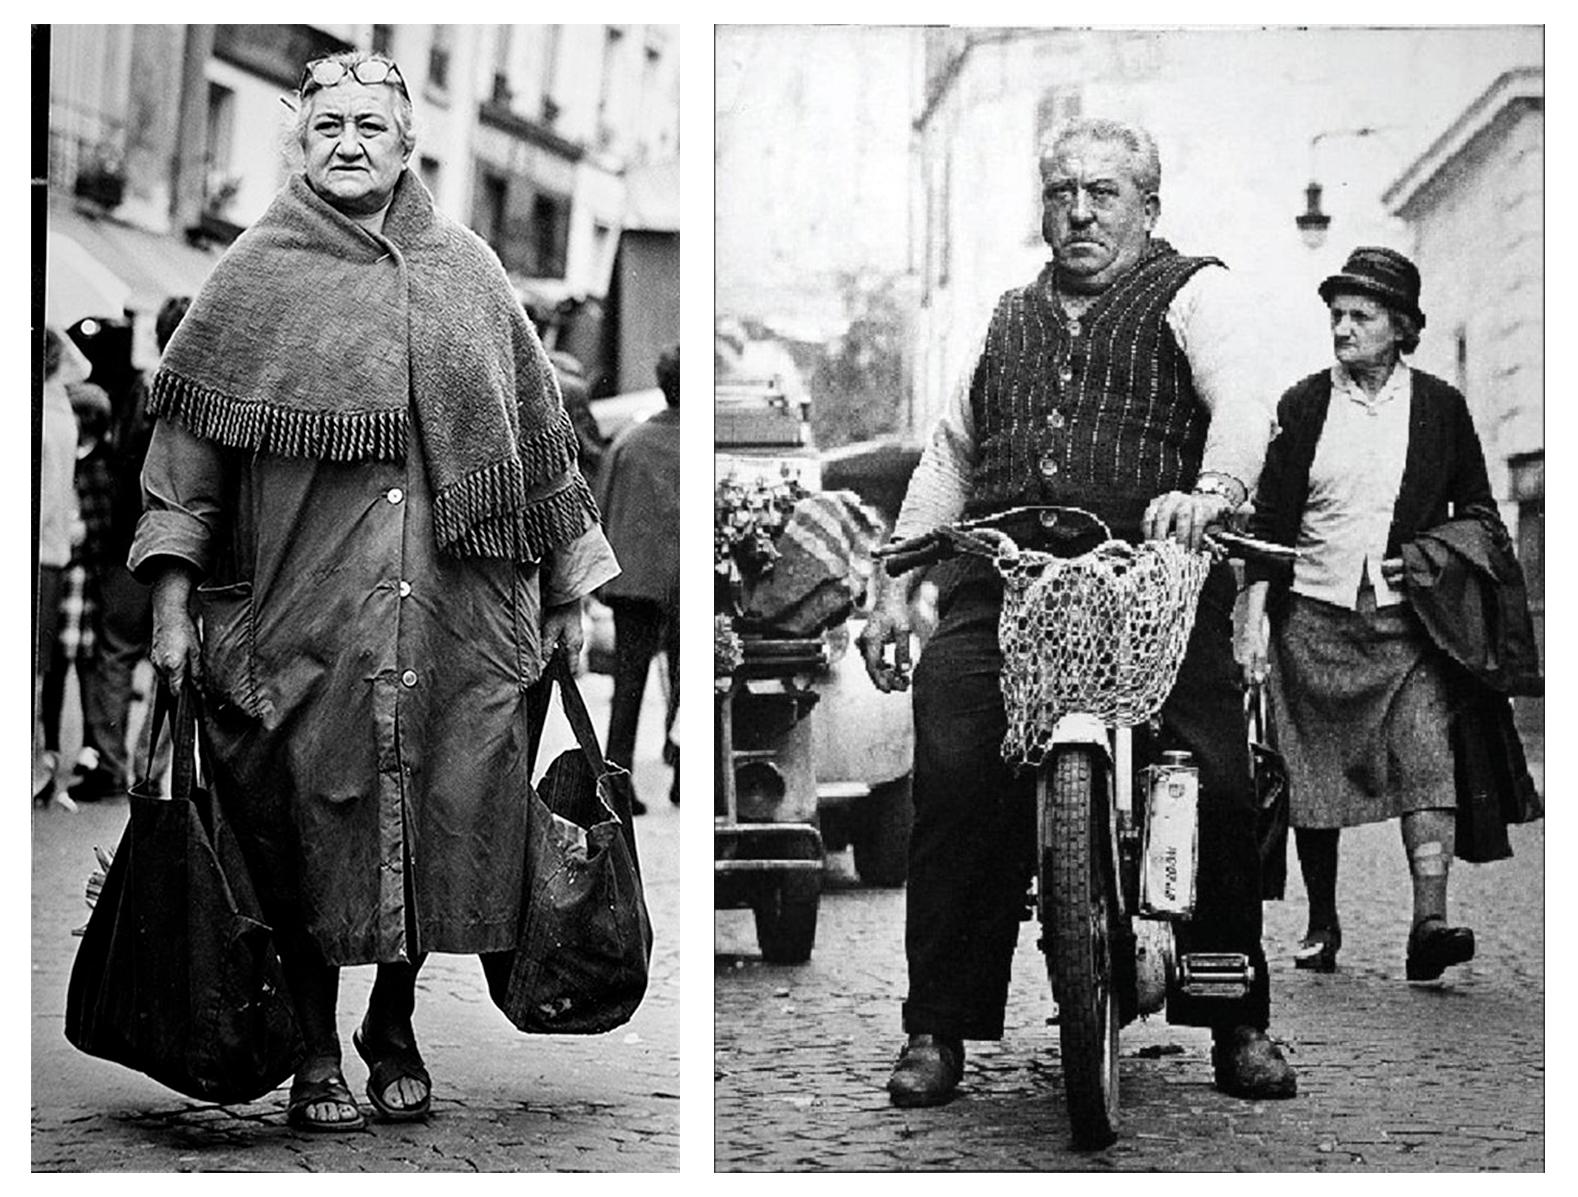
[
  {"x": 572, "y": 571},
  {"x": 184, "y": 484},
  {"x": 940, "y": 485},
  {"x": 1216, "y": 324}
]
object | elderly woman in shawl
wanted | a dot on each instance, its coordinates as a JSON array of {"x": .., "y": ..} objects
[{"x": 363, "y": 482}]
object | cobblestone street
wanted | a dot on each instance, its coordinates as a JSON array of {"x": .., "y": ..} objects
[
  {"x": 1391, "y": 1077},
  {"x": 502, "y": 1101}
]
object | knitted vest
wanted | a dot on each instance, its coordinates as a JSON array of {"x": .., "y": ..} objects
[{"x": 1098, "y": 412}]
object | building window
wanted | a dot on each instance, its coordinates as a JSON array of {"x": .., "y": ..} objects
[
  {"x": 218, "y": 140},
  {"x": 501, "y": 65},
  {"x": 428, "y": 170},
  {"x": 528, "y": 228},
  {"x": 613, "y": 36},
  {"x": 438, "y": 54},
  {"x": 550, "y": 219},
  {"x": 493, "y": 213},
  {"x": 550, "y": 74}
]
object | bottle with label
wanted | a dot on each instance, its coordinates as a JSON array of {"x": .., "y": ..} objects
[{"x": 1167, "y": 874}]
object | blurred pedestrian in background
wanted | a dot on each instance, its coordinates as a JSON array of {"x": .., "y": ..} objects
[
  {"x": 119, "y": 630},
  {"x": 364, "y": 475},
  {"x": 638, "y": 492},
  {"x": 76, "y": 641},
  {"x": 1370, "y": 454},
  {"x": 57, "y": 517},
  {"x": 576, "y": 392}
]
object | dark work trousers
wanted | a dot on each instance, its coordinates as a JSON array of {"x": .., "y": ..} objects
[
  {"x": 972, "y": 853},
  {"x": 124, "y": 629},
  {"x": 641, "y": 626}
]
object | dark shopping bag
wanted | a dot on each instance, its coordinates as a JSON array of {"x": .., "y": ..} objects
[
  {"x": 177, "y": 975},
  {"x": 1271, "y": 791},
  {"x": 580, "y": 964}
]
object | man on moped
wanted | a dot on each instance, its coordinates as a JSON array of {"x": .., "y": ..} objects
[{"x": 1123, "y": 380}]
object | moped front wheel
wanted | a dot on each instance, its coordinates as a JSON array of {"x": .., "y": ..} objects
[{"x": 1077, "y": 892}]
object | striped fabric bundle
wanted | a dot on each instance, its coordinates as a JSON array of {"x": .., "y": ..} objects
[{"x": 822, "y": 569}]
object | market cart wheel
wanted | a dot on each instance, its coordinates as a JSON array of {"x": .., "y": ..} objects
[
  {"x": 786, "y": 919},
  {"x": 882, "y": 833}
]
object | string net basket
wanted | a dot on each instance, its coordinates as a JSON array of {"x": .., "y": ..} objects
[{"x": 1102, "y": 634}]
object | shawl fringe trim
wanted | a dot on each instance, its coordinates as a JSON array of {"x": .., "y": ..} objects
[
  {"x": 531, "y": 532},
  {"x": 496, "y": 490},
  {"x": 270, "y": 428}
]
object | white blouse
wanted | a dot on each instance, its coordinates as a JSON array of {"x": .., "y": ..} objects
[{"x": 1354, "y": 480}]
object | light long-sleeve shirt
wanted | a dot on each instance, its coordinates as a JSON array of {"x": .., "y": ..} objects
[
  {"x": 1214, "y": 323},
  {"x": 1354, "y": 480}
]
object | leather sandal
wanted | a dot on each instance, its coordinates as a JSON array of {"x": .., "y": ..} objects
[
  {"x": 392, "y": 1065},
  {"x": 329, "y": 1090}
]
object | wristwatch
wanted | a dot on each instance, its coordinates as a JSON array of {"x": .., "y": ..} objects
[{"x": 1223, "y": 486}]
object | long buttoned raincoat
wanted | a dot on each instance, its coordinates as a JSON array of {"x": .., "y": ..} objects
[{"x": 365, "y": 692}]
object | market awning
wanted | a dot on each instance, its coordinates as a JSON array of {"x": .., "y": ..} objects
[{"x": 152, "y": 266}]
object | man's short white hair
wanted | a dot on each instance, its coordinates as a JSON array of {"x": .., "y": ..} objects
[{"x": 1146, "y": 161}]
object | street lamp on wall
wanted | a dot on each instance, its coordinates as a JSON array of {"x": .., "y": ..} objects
[{"x": 1312, "y": 222}]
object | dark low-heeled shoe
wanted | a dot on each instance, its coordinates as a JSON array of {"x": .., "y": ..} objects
[
  {"x": 1248, "y": 1064},
  {"x": 928, "y": 1071},
  {"x": 1433, "y": 947},
  {"x": 1318, "y": 952}
]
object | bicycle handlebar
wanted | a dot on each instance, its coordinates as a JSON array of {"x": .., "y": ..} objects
[{"x": 949, "y": 540}]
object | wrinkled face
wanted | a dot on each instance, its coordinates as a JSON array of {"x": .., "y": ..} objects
[
  {"x": 352, "y": 145},
  {"x": 1093, "y": 213},
  {"x": 1363, "y": 334}
]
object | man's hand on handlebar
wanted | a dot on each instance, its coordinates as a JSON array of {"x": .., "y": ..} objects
[
  {"x": 889, "y": 624},
  {"x": 1184, "y": 517}
]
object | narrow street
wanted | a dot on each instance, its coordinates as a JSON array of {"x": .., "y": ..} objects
[
  {"x": 502, "y": 1101},
  {"x": 1391, "y": 1077}
]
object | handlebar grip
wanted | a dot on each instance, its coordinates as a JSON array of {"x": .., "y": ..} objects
[
  {"x": 904, "y": 561},
  {"x": 1249, "y": 549}
]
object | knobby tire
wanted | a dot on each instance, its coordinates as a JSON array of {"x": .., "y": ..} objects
[{"x": 1076, "y": 866}]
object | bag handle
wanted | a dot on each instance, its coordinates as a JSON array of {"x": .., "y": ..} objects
[
  {"x": 182, "y": 712},
  {"x": 557, "y": 672},
  {"x": 1255, "y": 710}
]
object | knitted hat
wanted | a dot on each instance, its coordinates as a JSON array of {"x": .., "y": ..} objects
[{"x": 1382, "y": 273}]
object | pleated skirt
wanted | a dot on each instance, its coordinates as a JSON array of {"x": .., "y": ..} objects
[{"x": 1361, "y": 704}]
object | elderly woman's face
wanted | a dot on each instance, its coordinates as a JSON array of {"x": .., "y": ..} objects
[
  {"x": 352, "y": 145},
  {"x": 1363, "y": 333}
]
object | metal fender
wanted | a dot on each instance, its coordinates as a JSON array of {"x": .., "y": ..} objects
[{"x": 1083, "y": 729}]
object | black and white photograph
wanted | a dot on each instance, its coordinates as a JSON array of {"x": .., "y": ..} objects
[
  {"x": 1129, "y": 599},
  {"x": 355, "y": 740}
]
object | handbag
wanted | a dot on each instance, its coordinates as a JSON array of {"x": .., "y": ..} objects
[
  {"x": 177, "y": 975},
  {"x": 580, "y": 963},
  {"x": 1271, "y": 792}
]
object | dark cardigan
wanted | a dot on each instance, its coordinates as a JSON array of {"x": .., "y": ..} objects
[{"x": 1443, "y": 474}]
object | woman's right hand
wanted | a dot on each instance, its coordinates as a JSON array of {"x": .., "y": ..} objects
[
  {"x": 1253, "y": 647},
  {"x": 176, "y": 651}
]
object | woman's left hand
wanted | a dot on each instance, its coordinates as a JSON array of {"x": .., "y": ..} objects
[
  {"x": 1392, "y": 572},
  {"x": 561, "y": 627}
]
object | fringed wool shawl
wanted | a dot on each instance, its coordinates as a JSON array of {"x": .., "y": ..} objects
[{"x": 314, "y": 338}]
